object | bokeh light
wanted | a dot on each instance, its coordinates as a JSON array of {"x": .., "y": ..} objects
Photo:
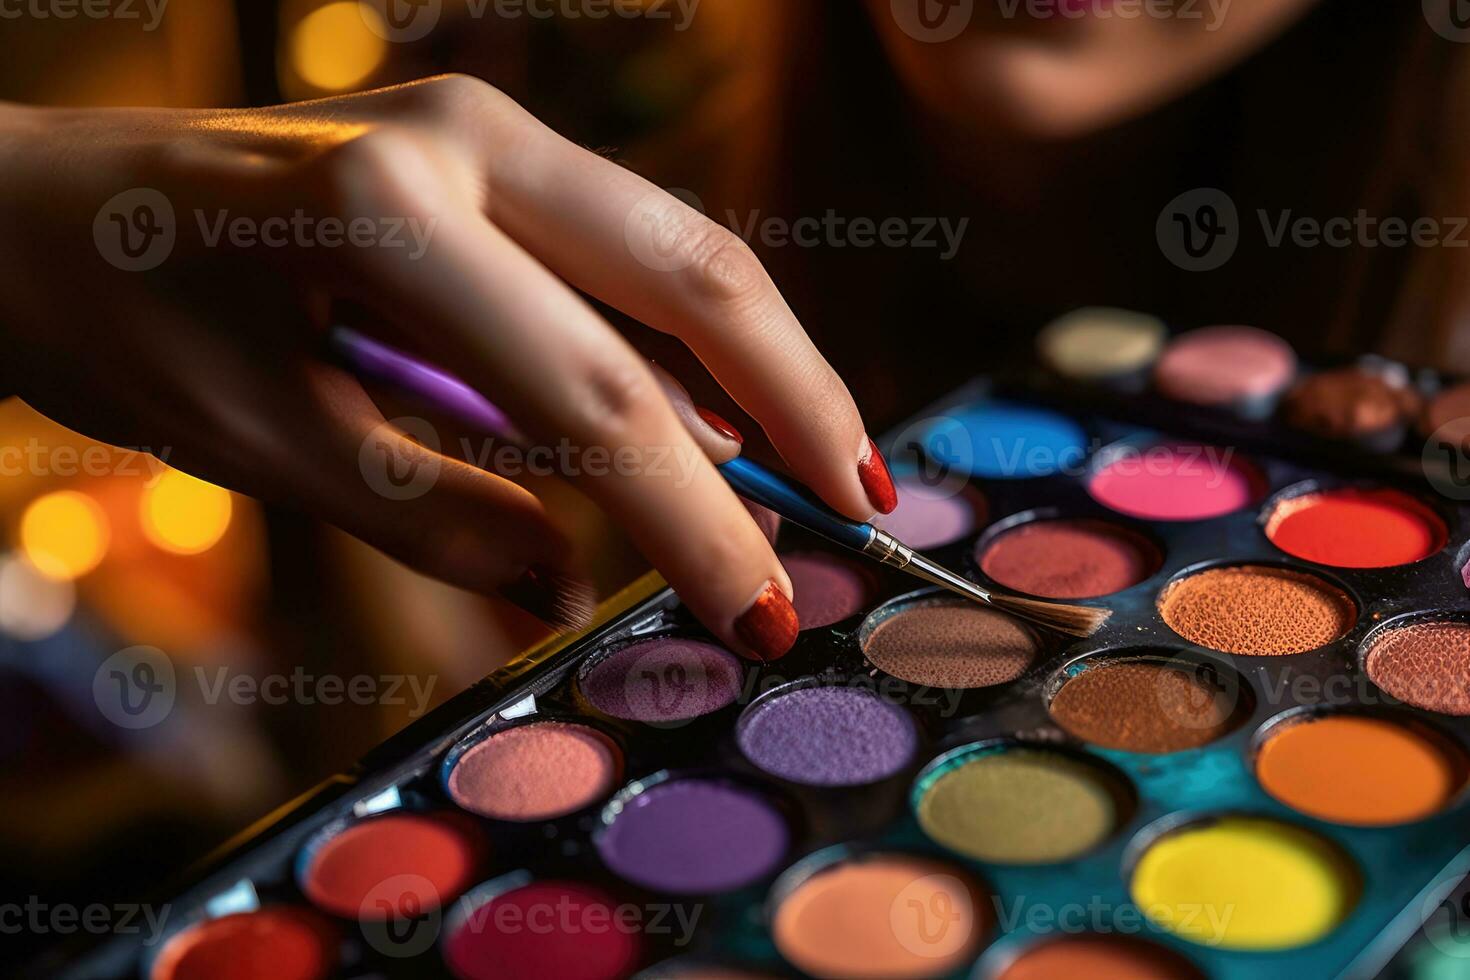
[
  {"x": 32, "y": 606},
  {"x": 183, "y": 514},
  {"x": 334, "y": 49},
  {"x": 64, "y": 534}
]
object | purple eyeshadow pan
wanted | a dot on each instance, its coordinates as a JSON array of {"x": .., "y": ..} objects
[
  {"x": 668, "y": 678},
  {"x": 694, "y": 836},
  {"x": 827, "y": 736},
  {"x": 931, "y": 517},
  {"x": 828, "y": 589}
]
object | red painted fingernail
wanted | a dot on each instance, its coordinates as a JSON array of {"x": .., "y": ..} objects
[
  {"x": 769, "y": 626},
  {"x": 877, "y": 481},
  {"x": 720, "y": 425}
]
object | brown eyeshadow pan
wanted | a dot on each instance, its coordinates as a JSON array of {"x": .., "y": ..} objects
[
  {"x": 1425, "y": 664},
  {"x": 950, "y": 644},
  {"x": 1145, "y": 706},
  {"x": 1257, "y": 610}
]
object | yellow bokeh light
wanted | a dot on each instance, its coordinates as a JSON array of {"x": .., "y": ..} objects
[
  {"x": 185, "y": 515},
  {"x": 64, "y": 534},
  {"x": 333, "y": 48}
]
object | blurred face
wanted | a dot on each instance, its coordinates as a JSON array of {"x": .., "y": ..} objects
[{"x": 1060, "y": 68}]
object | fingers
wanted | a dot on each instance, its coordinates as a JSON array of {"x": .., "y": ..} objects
[
  {"x": 492, "y": 314},
  {"x": 618, "y": 237},
  {"x": 335, "y": 456},
  {"x": 718, "y": 438}
]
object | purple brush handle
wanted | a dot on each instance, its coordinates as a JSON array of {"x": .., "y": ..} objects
[{"x": 436, "y": 388}]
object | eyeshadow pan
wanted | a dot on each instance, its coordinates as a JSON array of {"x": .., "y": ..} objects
[
  {"x": 1424, "y": 664},
  {"x": 931, "y": 517},
  {"x": 955, "y": 644},
  {"x": 664, "y": 679},
  {"x": 1361, "y": 771},
  {"x": 1017, "y": 805},
  {"x": 1100, "y": 957},
  {"x": 826, "y": 588},
  {"x": 1221, "y": 366},
  {"x": 282, "y": 942},
  {"x": 1356, "y": 528},
  {"x": 1175, "y": 482},
  {"x": 827, "y": 736},
  {"x": 1354, "y": 403},
  {"x": 393, "y": 861},
  {"x": 1257, "y": 610},
  {"x": 1284, "y": 886},
  {"x": 1068, "y": 559},
  {"x": 1101, "y": 342},
  {"x": 1448, "y": 414},
  {"x": 848, "y": 920},
  {"x": 1006, "y": 441},
  {"x": 539, "y": 771},
  {"x": 693, "y": 835},
  {"x": 1144, "y": 706},
  {"x": 560, "y": 929}
]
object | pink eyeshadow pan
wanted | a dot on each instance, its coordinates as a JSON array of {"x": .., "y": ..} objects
[
  {"x": 538, "y": 771},
  {"x": 930, "y": 517},
  {"x": 1225, "y": 365},
  {"x": 827, "y": 589},
  {"x": 1176, "y": 482}
]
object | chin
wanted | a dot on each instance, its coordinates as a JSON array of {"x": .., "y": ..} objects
[{"x": 1075, "y": 78}]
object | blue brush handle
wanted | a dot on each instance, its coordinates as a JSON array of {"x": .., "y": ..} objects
[{"x": 794, "y": 502}]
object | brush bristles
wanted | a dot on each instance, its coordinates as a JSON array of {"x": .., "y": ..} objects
[
  {"x": 1072, "y": 620},
  {"x": 574, "y": 605}
]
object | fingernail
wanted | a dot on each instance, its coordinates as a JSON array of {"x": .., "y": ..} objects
[
  {"x": 720, "y": 425},
  {"x": 769, "y": 626},
  {"x": 877, "y": 481},
  {"x": 561, "y": 601}
]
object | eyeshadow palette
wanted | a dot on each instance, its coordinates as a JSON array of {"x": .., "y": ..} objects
[{"x": 1257, "y": 768}]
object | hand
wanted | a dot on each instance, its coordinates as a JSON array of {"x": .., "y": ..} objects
[{"x": 471, "y": 225}]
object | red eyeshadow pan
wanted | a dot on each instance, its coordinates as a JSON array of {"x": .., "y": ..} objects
[
  {"x": 543, "y": 929},
  {"x": 398, "y": 863},
  {"x": 1069, "y": 559},
  {"x": 280, "y": 942},
  {"x": 1356, "y": 528}
]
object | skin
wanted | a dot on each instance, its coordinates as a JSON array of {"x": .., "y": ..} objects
[
  {"x": 213, "y": 354},
  {"x": 1040, "y": 74}
]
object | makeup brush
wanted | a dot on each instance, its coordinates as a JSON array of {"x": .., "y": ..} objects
[{"x": 442, "y": 391}]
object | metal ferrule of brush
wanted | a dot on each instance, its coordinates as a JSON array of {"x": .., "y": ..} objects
[{"x": 893, "y": 552}]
